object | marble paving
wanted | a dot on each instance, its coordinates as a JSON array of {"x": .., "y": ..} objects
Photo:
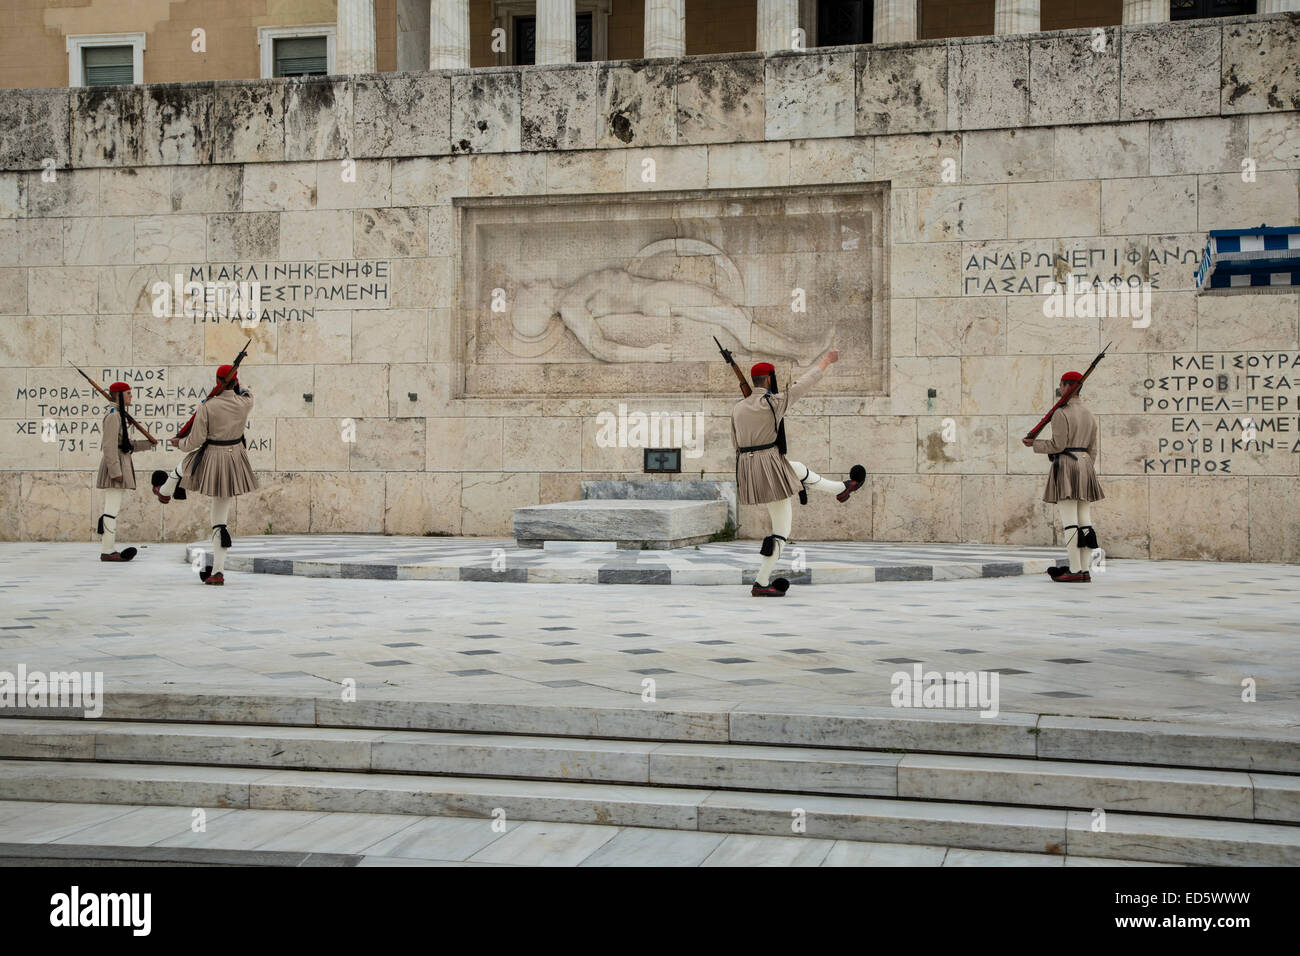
[
  {"x": 1168, "y": 641},
  {"x": 722, "y": 563},
  {"x": 383, "y": 839}
]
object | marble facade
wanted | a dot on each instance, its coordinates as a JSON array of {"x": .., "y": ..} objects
[{"x": 386, "y": 209}]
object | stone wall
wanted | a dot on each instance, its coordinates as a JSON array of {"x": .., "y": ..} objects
[{"x": 1003, "y": 162}]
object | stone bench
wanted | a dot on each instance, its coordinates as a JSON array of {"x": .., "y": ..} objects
[{"x": 656, "y": 525}]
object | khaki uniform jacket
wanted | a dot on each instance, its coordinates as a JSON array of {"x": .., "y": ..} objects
[
  {"x": 115, "y": 467},
  {"x": 763, "y": 476},
  {"x": 1073, "y": 426},
  {"x": 224, "y": 470}
]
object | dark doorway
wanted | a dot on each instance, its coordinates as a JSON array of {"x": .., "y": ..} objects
[
  {"x": 843, "y": 22},
  {"x": 526, "y": 39},
  {"x": 1203, "y": 9}
]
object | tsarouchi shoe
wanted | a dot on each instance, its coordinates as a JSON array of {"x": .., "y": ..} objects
[
  {"x": 857, "y": 478},
  {"x": 1074, "y": 577},
  {"x": 218, "y": 579},
  {"x": 126, "y": 554}
]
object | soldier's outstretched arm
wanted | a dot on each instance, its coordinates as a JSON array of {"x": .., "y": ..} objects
[{"x": 806, "y": 382}]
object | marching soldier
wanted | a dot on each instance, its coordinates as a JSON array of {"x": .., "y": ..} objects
[
  {"x": 116, "y": 473},
  {"x": 765, "y": 476},
  {"x": 1072, "y": 481},
  {"x": 217, "y": 464}
]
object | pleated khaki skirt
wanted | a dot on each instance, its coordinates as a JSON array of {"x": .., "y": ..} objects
[
  {"x": 223, "y": 472},
  {"x": 1071, "y": 480},
  {"x": 763, "y": 476},
  {"x": 104, "y": 480}
]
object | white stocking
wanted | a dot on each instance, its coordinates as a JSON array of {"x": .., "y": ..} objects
[
  {"x": 112, "y": 508},
  {"x": 169, "y": 486},
  {"x": 1085, "y": 520},
  {"x": 1069, "y": 511},
  {"x": 220, "y": 516},
  {"x": 782, "y": 514},
  {"x": 815, "y": 482}
]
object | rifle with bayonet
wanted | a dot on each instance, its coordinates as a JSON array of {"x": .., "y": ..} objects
[
  {"x": 1067, "y": 395},
  {"x": 745, "y": 388},
  {"x": 130, "y": 420},
  {"x": 217, "y": 390}
]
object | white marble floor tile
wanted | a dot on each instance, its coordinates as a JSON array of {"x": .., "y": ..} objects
[
  {"x": 547, "y": 844},
  {"x": 743, "y": 850}
]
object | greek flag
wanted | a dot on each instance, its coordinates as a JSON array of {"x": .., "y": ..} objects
[{"x": 1250, "y": 260}]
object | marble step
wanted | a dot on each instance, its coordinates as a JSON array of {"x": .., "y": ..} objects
[
  {"x": 1088, "y": 739},
  {"x": 966, "y": 826},
  {"x": 655, "y": 525},
  {"x": 1070, "y": 784}
]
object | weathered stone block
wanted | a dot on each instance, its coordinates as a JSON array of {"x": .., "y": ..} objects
[
  {"x": 74, "y": 193},
  {"x": 902, "y": 89},
  {"x": 167, "y": 239},
  {"x": 464, "y": 444},
  {"x": 177, "y": 125},
  {"x": 87, "y": 242},
  {"x": 1006, "y": 155},
  {"x": 280, "y": 505},
  {"x": 531, "y": 444},
  {"x": 310, "y": 444},
  {"x": 106, "y": 126},
  {"x": 988, "y": 83},
  {"x": 279, "y": 186},
  {"x": 135, "y": 191},
  {"x": 558, "y": 108},
  {"x": 809, "y": 95},
  {"x": 34, "y": 128},
  {"x": 1145, "y": 206},
  {"x": 1226, "y": 202},
  {"x": 1261, "y": 66},
  {"x": 388, "y": 444},
  {"x": 351, "y": 391},
  {"x": 1054, "y": 209},
  {"x": 961, "y": 212},
  {"x": 13, "y": 195},
  {"x": 971, "y": 325},
  {"x": 1169, "y": 70},
  {"x": 1274, "y": 141},
  {"x": 1201, "y": 145},
  {"x": 916, "y": 507},
  {"x": 485, "y": 112},
  {"x": 637, "y": 104},
  {"x": 403, "y": 115},
  {"x": 321, "y": 234},
  {"x": 1072, "y": 82},
  {"x": 389, "y": 335},
  {"x": 420, "y": 504},
  {"x": 488, "y": 501},
  {"x": 368, "y": 183},
  {"x": 318, "y": 117},
  {"x": 236, "y": 236},
  {"x": 1274, "y": 520},
  {"x": 720, "y": 101},
  {"x": 248, "y": 122},
  {"x": 207, "y": 188},
  {"x": 1031, "y": 332},
  {"x": 343, "y": 502},
  {"x": 1006, "y": 509},
  {"x": 978, "y": 445},
  {"x": 749, "y": 164},
  {"x": 587, "y": 171},
  {"x": 63, "y": 291},
  {"x": 846, "y": 160},
  {"x": 1269, "y": 323},
  {"x": 1109, "y": 151},
  {"x": 997, "y": 385},
  {"x": 326, "y": 338},
  {"x": 1200, "y": 519}
]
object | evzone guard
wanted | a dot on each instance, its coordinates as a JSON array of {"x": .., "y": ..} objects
[
  {"x": 116, "y": 474},
  {"x": 1072, "y": 483},
  {"x": 764, "y": 476},
  {"x": 217, "y": 464}
]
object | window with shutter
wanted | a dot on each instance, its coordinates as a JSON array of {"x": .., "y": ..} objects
[
  {"x": 107, "y": 65},
  {"x": 301, "y": 56}
]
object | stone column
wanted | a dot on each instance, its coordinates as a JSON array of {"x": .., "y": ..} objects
[
  {"x": 665, "y": 28},
  {"x": 1277, "y": 6},
  {"x": 412, "y": 35},
  {"x": 893, "y": 21},
  {"x": 1146, "y": 11},
  {"x": 557, "y": 39},
  {"x": 355, "y": 48},
  {"x": 1016, "y": 16},
  {"x": 777, "y": 20},
  {"x": 449, "y": 34}
]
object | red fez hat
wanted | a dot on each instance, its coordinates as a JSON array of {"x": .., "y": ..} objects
[
  {"x": 118, "y": 387},
  {"x": 1072, "y": 377},
  {"x": 762, "y": 368},
  {"x": 227, "y": 372}
]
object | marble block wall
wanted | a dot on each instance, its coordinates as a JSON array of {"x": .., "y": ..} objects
[{"x": 999, "y": 164}]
